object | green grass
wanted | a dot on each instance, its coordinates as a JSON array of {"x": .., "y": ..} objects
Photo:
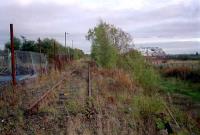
[
  {"x": 147, "y": 105},
  {"x": 173, "y": 85}
]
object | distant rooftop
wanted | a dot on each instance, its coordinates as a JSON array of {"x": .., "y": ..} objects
[{"x": 152, "y": 51}]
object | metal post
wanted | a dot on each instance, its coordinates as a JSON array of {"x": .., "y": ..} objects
[
  {"x": 67, "y": 49},
  {"x": 54, "y": 54},
  {"x": 12, "y": 55},
  {"x": 65, "y": 39}
]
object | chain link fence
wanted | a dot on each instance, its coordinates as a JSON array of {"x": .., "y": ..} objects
[{"x": 27, "y": 63}]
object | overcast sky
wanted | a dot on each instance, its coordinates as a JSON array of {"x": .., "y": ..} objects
[{"x": 148, "y": 21}]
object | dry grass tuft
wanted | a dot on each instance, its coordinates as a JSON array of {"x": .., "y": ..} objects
[
  {"x": 114, "y": 80},
  {"x": 183, "y": 73}
]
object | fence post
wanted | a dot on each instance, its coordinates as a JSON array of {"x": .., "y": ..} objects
[
  {"x": 89, "y": 81},
  {"x": 65, "y": 47},
  {"x": 12, "y": 56},
  {"x": 54, "y": 54}
]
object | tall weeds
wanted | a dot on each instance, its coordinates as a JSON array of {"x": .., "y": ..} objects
[
  {"x": 183, "y": 73},
  {"x": 142, "y": 72}
]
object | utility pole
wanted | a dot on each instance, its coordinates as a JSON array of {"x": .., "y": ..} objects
[
  {"x": 39, "y": 42},
  {"x": 72, "y": 44},
  {"x": 67, "y": 51},
  {"x": 65, "y": 47},
  {"x": 12, "y": 55},
  {"x": 72, "y": 50}
]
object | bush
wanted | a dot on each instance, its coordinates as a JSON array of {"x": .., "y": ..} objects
[
  {"x": 77, "y": 54},
  {"x": 103, "y": 51},
  {"x": 182, "y": 73},
  {"x": 73, "y": 107},
  {"x": 147, "y": 105},
  {"x": 141, "y": 71},
  {"x": 176, "y": 72},
  {"x": 160, "y": 124}
]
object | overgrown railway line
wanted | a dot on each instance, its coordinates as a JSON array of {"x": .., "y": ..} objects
[
  {"x": 34, "y": 106},
  {"x": 72, "y": 78}
]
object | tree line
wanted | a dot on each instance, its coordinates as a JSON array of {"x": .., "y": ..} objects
[{"x": 45, "y": 46}]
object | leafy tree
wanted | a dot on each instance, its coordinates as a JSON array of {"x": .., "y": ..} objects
[
  {"x": 103, "y": 51},
  {"x": 46, "y": 46},
  {"x": 28, "y": 45},
  {"x": 17, "y": 44},
  {"x": 77, "y": 53},
  {"x": 108, "y": 42},
  {"x": 119, "y": 38}
]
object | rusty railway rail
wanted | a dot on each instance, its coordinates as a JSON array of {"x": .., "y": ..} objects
[{"x": 34, "y": 106}]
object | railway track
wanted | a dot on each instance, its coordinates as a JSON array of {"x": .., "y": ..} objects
[
  {"x": 79, "y": 82},
  {"x": 40, "y": 95}
]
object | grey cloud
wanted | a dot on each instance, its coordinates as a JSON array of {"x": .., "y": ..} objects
[
  {"x": 46, "y": 21},
  {"x": 174, "y": 28},
  {"x": 175, "y": 47},
  {"x": 174, "y": 20},
  {"x": 51, "y": 20}
]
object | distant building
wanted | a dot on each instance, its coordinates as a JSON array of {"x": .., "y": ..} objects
[
  {"x": 155, "y": 55},
  {"x": 152, "y": 51}
]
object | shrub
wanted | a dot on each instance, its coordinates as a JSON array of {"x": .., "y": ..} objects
[
  {"x": 73, "y": 107},
  {"x": 49, "y": 109},
  {"x": 141, "y": 71},
  {"x": 147, "y": 105},
  {"x": 107, "y": 42},
  {"x": 103, "y": 51},
  {"x": 182, "y": 73},
  {"x": 160, "y": 124}
]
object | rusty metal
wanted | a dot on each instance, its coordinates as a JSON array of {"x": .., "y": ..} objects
[
  {"x": 34, "y": 107},
  {"x": 54, "y": 54},
  {"x": 65, "y": 42},
  {"x": 12, "y": 56}
]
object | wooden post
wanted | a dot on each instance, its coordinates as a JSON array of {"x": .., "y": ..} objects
[
  {"x": 12, "y": 56},
  {"x": 65, "y": 48},
  {"x": 72, "y": 51},
  {"x": 89, "y": 81}
]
